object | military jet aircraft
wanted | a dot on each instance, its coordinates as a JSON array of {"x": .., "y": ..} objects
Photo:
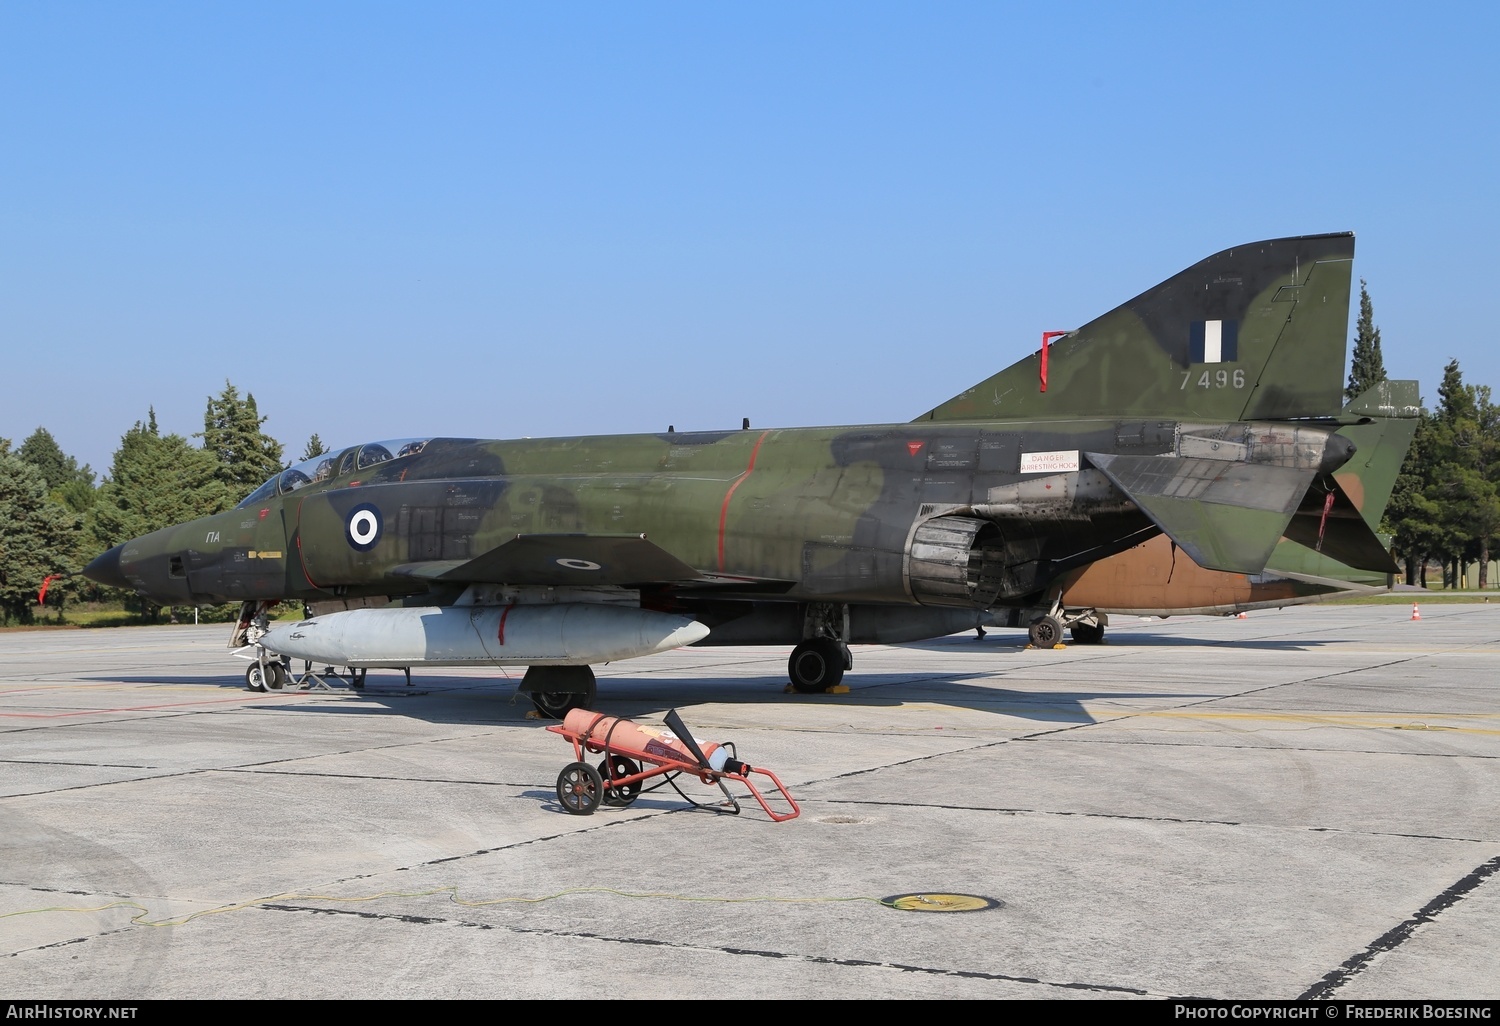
[{"x": 1192, "y": 410}]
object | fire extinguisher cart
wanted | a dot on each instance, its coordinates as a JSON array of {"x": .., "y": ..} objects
[{"x": 634, "y": 753}]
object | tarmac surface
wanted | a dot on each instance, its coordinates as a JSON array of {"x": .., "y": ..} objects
[{"x": 1299, "y": 804}]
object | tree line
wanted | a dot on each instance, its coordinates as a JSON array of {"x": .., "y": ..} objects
[{"x": 54, "y": 518}]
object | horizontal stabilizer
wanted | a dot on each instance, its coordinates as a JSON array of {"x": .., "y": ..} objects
[
  {"x": 561, "y": 560},
  {"x": 1389, "y": 398},
  {"x": 1225, "y": 515}
]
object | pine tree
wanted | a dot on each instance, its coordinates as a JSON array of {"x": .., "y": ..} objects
[
  {"x": 1461, "y": 485},
  {"x": 315, "y": 447},
  {"x": 67, "y": 482},
  {"x": 1456, "y": 401},
  {"x": 1411, "y": 518},
  {"x": 37, "y": 536},
  {"x": 1367, "y": 367},
  {"x": 155, "y": 481},
  {"x": 246, "y": 455}
]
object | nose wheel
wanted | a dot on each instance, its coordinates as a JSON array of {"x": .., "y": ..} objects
[{"x": 266, "y": 677}]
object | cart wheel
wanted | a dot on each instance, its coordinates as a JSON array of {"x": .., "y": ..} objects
[
  {"x": 624, "y": 794},
  {"x": 579, "y": 788}
]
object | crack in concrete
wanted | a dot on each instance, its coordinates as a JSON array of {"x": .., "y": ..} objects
[
  {"x": 1400, "y": 933},
  {"x": 857, "y": 963},
  {"x": 1012, "y": 811}
]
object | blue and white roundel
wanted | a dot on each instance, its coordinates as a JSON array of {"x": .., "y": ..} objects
[{"x": 362, "y": 527}]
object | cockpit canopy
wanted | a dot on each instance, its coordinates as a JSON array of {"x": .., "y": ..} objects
[{"x": 334, "y": 464}]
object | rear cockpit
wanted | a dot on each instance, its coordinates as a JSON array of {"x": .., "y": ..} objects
[{"x": 334, "y": 465}]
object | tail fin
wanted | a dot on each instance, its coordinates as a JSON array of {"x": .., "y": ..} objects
[{"x": 1257, "y": 332}]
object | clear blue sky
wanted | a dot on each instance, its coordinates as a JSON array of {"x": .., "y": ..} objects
[{"x": 506, "y": 219}]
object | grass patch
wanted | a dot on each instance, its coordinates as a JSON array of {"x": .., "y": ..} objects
[{"x": 1436, "y": 598}]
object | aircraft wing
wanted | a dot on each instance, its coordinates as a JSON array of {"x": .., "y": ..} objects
[
  {"x": 559, "y": 560},
  {"x": 1225, "y": 515}
]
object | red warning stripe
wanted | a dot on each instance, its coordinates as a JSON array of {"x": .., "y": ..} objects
[{"x": 724, "y": 509}]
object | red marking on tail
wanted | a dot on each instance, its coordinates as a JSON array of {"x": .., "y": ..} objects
[{"x": 1047, "y": 337}]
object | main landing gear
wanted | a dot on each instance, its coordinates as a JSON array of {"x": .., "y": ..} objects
[
  {"x": 1045, "y": 631},
  {"x": 1086, "y": 626},
  {"x": 558, "y": 690},
  {"x": 817, "y": 665}
]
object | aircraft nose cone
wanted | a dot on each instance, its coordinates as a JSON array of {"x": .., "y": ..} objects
[
  {"x": 105, "y": 569},
  {"x": 1337, "y": 451}
]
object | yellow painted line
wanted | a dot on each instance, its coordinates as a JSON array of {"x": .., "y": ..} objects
[
  {"x": 1385, "y": 721},
  {"x": 1435, "y": 721}
]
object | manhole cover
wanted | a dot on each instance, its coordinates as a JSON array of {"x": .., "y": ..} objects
[{"x": 941, "y": 902}]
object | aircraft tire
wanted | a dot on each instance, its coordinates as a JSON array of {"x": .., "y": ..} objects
[
  {"x": 255, "y": 678},
  {"x": 816, "y": 666},
  {"x": 1086, "y": 634},
  {"x": 1046, "y": 631},
  {"x": 271, "y": 677},
  {"x": 580, "y": 788},
  {"x": 557, "y": 704}
]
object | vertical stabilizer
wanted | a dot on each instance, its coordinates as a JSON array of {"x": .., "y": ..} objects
[{"x": 1255, "y": 332}]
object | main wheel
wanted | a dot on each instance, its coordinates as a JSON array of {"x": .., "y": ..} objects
[
  {"x": 816, "y": 665},
  {"x": 580, "y": 788},
  {"x": 582, "y": 689},
  {"x": 1046, "y": 631},
  {"x": 1087, "y": 634},
  {"x": 275, "y": 677},
  {"x": 619, "y": 766}
]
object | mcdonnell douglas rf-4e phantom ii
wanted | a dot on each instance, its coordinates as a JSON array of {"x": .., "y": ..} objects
[{"x": 1205, "y": 409}]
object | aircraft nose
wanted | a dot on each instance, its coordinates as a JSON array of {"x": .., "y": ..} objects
[
  {"x": 1337, "y": 451},
  {"x": 105, "y": 569}
]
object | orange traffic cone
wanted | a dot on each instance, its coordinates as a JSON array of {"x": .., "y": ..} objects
[{"x": 1415, "y": 613}]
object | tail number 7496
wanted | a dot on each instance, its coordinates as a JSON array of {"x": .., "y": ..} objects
[{"x": 1214, "y": 379}]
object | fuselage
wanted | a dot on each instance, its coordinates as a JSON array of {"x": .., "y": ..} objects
[{"x": 852, "y": 514}]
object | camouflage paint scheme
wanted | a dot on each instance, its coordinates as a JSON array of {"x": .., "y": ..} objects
[
  {"x": 1155, "y": 579},
  {"x": 865, "y": 533}
]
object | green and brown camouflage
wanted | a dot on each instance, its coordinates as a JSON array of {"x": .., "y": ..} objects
[
  {"x": 1154, "y": 579},
  {"x": 1196, "y": 409}
]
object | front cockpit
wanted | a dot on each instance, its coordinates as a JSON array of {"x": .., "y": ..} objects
[{"x": 333, "y": 465}]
